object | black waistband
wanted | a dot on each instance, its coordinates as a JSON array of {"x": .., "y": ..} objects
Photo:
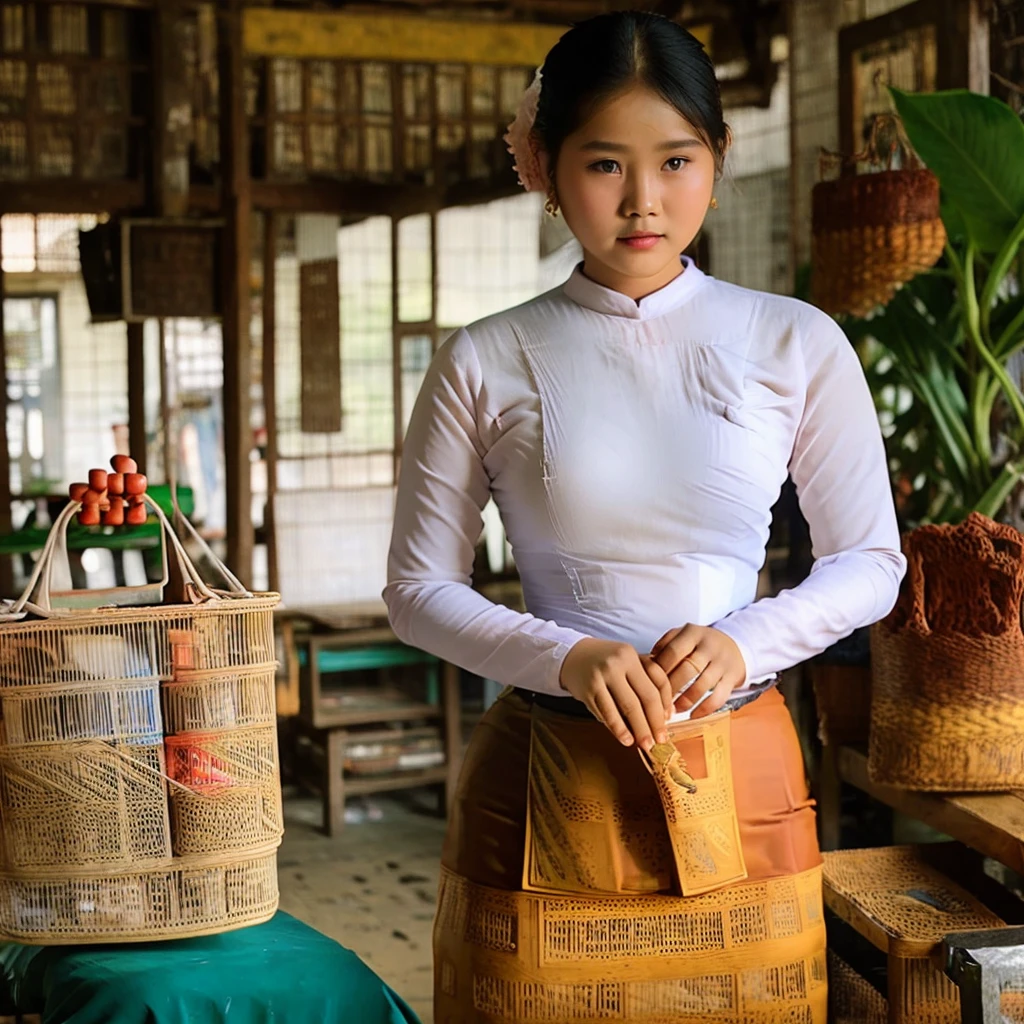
[{"x": 563, "y": 705}]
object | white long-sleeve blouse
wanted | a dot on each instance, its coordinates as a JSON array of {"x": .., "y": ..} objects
[{"x": 634, "y": 451}]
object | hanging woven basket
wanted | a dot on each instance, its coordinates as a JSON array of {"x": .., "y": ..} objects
[
  {"x": 947, "y": 707},
  {"x": 872, "y": 232}
]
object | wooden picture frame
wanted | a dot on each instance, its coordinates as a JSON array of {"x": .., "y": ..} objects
[{"x": 926, "y": 46}]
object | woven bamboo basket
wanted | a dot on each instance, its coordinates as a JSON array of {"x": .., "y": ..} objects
[
  {"x": 227, "y": 794},
  {"x": 851, "y": 998},
  {"x": 947, "y": 709},
  {"x": 84, "y": 803},
  {"x": 90, "y": 804},
  {"x": 237, "y": 699},
  {"x": 872, "y": 232},
  {"x": 176, "y": 899}
]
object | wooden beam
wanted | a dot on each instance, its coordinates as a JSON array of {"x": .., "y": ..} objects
[
  {"x": 137, "y": 446},
  {"x": 6, "y": 565},
  {"x": 372, "y": 199},
  {"x": 271, "y": 32},
  {"x": 237, "y": 346},
  {"x": 71, "y": 196},
  {"x": 991, "y": 823}
]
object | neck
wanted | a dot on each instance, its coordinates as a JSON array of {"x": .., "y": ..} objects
[{"x": 635, "y": 288}]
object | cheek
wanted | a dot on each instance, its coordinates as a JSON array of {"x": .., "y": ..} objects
[
  {"x": 689, "y": 198},
  {"x": 589, "y": 206}
]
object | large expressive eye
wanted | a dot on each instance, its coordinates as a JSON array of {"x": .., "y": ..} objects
[
  {"x": 676, "y": 163},
  {"x": 605, "y": 166}
]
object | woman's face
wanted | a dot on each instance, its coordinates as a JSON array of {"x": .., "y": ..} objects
[{"x": 634, "y": 184}]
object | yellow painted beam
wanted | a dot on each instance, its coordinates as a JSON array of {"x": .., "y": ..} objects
[{"x": 271, "y": 32}]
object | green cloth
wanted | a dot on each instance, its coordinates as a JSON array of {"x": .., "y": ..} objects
[
  {"x": 115, "y": 538},
  {"x": 281, "y": 972}
]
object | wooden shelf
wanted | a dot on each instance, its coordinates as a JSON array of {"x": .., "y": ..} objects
[
  {"x": 399, "y": 713},
  {"x": 991, "y": 823},
  {"x": 396, "y": 780}
]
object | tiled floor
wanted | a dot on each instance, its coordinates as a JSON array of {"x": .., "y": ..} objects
[{"x": 372, "y": 888}]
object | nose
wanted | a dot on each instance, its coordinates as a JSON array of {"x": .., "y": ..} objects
[{"x": 641, "y": 197}]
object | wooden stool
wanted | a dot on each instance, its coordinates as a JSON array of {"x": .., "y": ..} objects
[
  {"x": 988, "y": 968},
  {"x": 905, "y": 908}
]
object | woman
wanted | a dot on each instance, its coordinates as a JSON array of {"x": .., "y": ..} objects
[{"x": 632, "y": 836}]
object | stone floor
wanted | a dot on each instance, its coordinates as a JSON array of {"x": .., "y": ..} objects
[{"x": 372, "y": 888}]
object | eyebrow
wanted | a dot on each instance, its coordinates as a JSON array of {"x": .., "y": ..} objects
[{"x": 618, "y": 147}]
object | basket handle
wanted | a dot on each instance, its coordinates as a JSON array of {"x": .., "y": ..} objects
[
  {"x": 872, "y": 153},
  {"x": 36, "y": 596}
]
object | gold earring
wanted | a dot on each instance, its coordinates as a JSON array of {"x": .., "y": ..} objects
[
  {"x": 714, "y": 203},
  {"x": 551, "y": 205}
]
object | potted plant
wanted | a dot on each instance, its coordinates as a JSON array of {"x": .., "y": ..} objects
[
  {"x": 944, "y": 359},
  {"x": 941, "y": 355}
]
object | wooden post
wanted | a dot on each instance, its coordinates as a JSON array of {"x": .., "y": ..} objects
[
  {"x": 396, "y": 353},
  {"x": 979, "y": 78},
  {"x": 137, "y": 395},
  {"x": 334, "y": 782},
  {"x": 234, "y": 157},
  {"x": 270, "y": 389},
  {"x": 6, "y": 565},
  {"x": 172, "y": 127}
]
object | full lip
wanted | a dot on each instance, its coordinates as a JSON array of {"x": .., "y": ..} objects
[{"x": 641, "y": 234}]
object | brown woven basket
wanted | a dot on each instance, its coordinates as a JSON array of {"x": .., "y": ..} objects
[
  {"x": 947, "y": 709},
  {"x": 872, "y": 232}
]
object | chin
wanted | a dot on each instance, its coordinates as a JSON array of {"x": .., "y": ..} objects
[{"x": 642, "y": 264}]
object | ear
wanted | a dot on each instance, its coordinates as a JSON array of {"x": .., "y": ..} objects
[
  {"x": 544, "y": 166},
  {"x": 723, "y": 149}
]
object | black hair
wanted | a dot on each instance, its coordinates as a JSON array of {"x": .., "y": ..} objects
[{"x": 603, "y": 55}]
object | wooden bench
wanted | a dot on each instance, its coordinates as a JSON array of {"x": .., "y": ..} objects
[
  {"x": 991, "y": 823},
  {"x": 326, "y": 730},
  {"x": 905, "y": 907}
]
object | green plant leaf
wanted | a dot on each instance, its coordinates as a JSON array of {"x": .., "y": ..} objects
[
  {"x": 995, "y": 497},
  {"x": 987, "y": 236},
  {"x": 975, "y": 145}
]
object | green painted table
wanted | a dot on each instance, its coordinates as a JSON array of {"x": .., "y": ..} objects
[{"x": 281, "y": 972}]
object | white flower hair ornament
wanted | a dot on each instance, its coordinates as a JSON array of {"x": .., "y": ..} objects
[{"x": 530, "y": 161}]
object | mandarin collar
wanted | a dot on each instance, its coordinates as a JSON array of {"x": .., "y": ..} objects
[{"x": 585, "y": 292}]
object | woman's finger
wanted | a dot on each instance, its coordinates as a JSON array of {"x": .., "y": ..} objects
[
  {"x": 652, "y": 700},
  {"x": 661, "y": 680},
  {"x": 695, "y": 688},
  {"x": 631, "y": 708},
  {"x": 608, "y": 712},
  {"x": 689, "y": 670},
  {"x": 681, "y": 646},
  {"x": 719, "y": 695},
  {"x": 670, "y": 635}
]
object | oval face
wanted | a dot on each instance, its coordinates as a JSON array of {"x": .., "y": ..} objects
[{"x": 634, "y": 183}]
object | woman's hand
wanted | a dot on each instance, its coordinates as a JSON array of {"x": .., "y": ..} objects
[
  {"x": 700, "y": 660},
  {"x": 626, "y": 691}
]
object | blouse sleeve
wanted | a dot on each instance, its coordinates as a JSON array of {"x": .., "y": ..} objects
[
  {"x": 443, "y": 487},
  {"x": 842, "y": 480}
]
